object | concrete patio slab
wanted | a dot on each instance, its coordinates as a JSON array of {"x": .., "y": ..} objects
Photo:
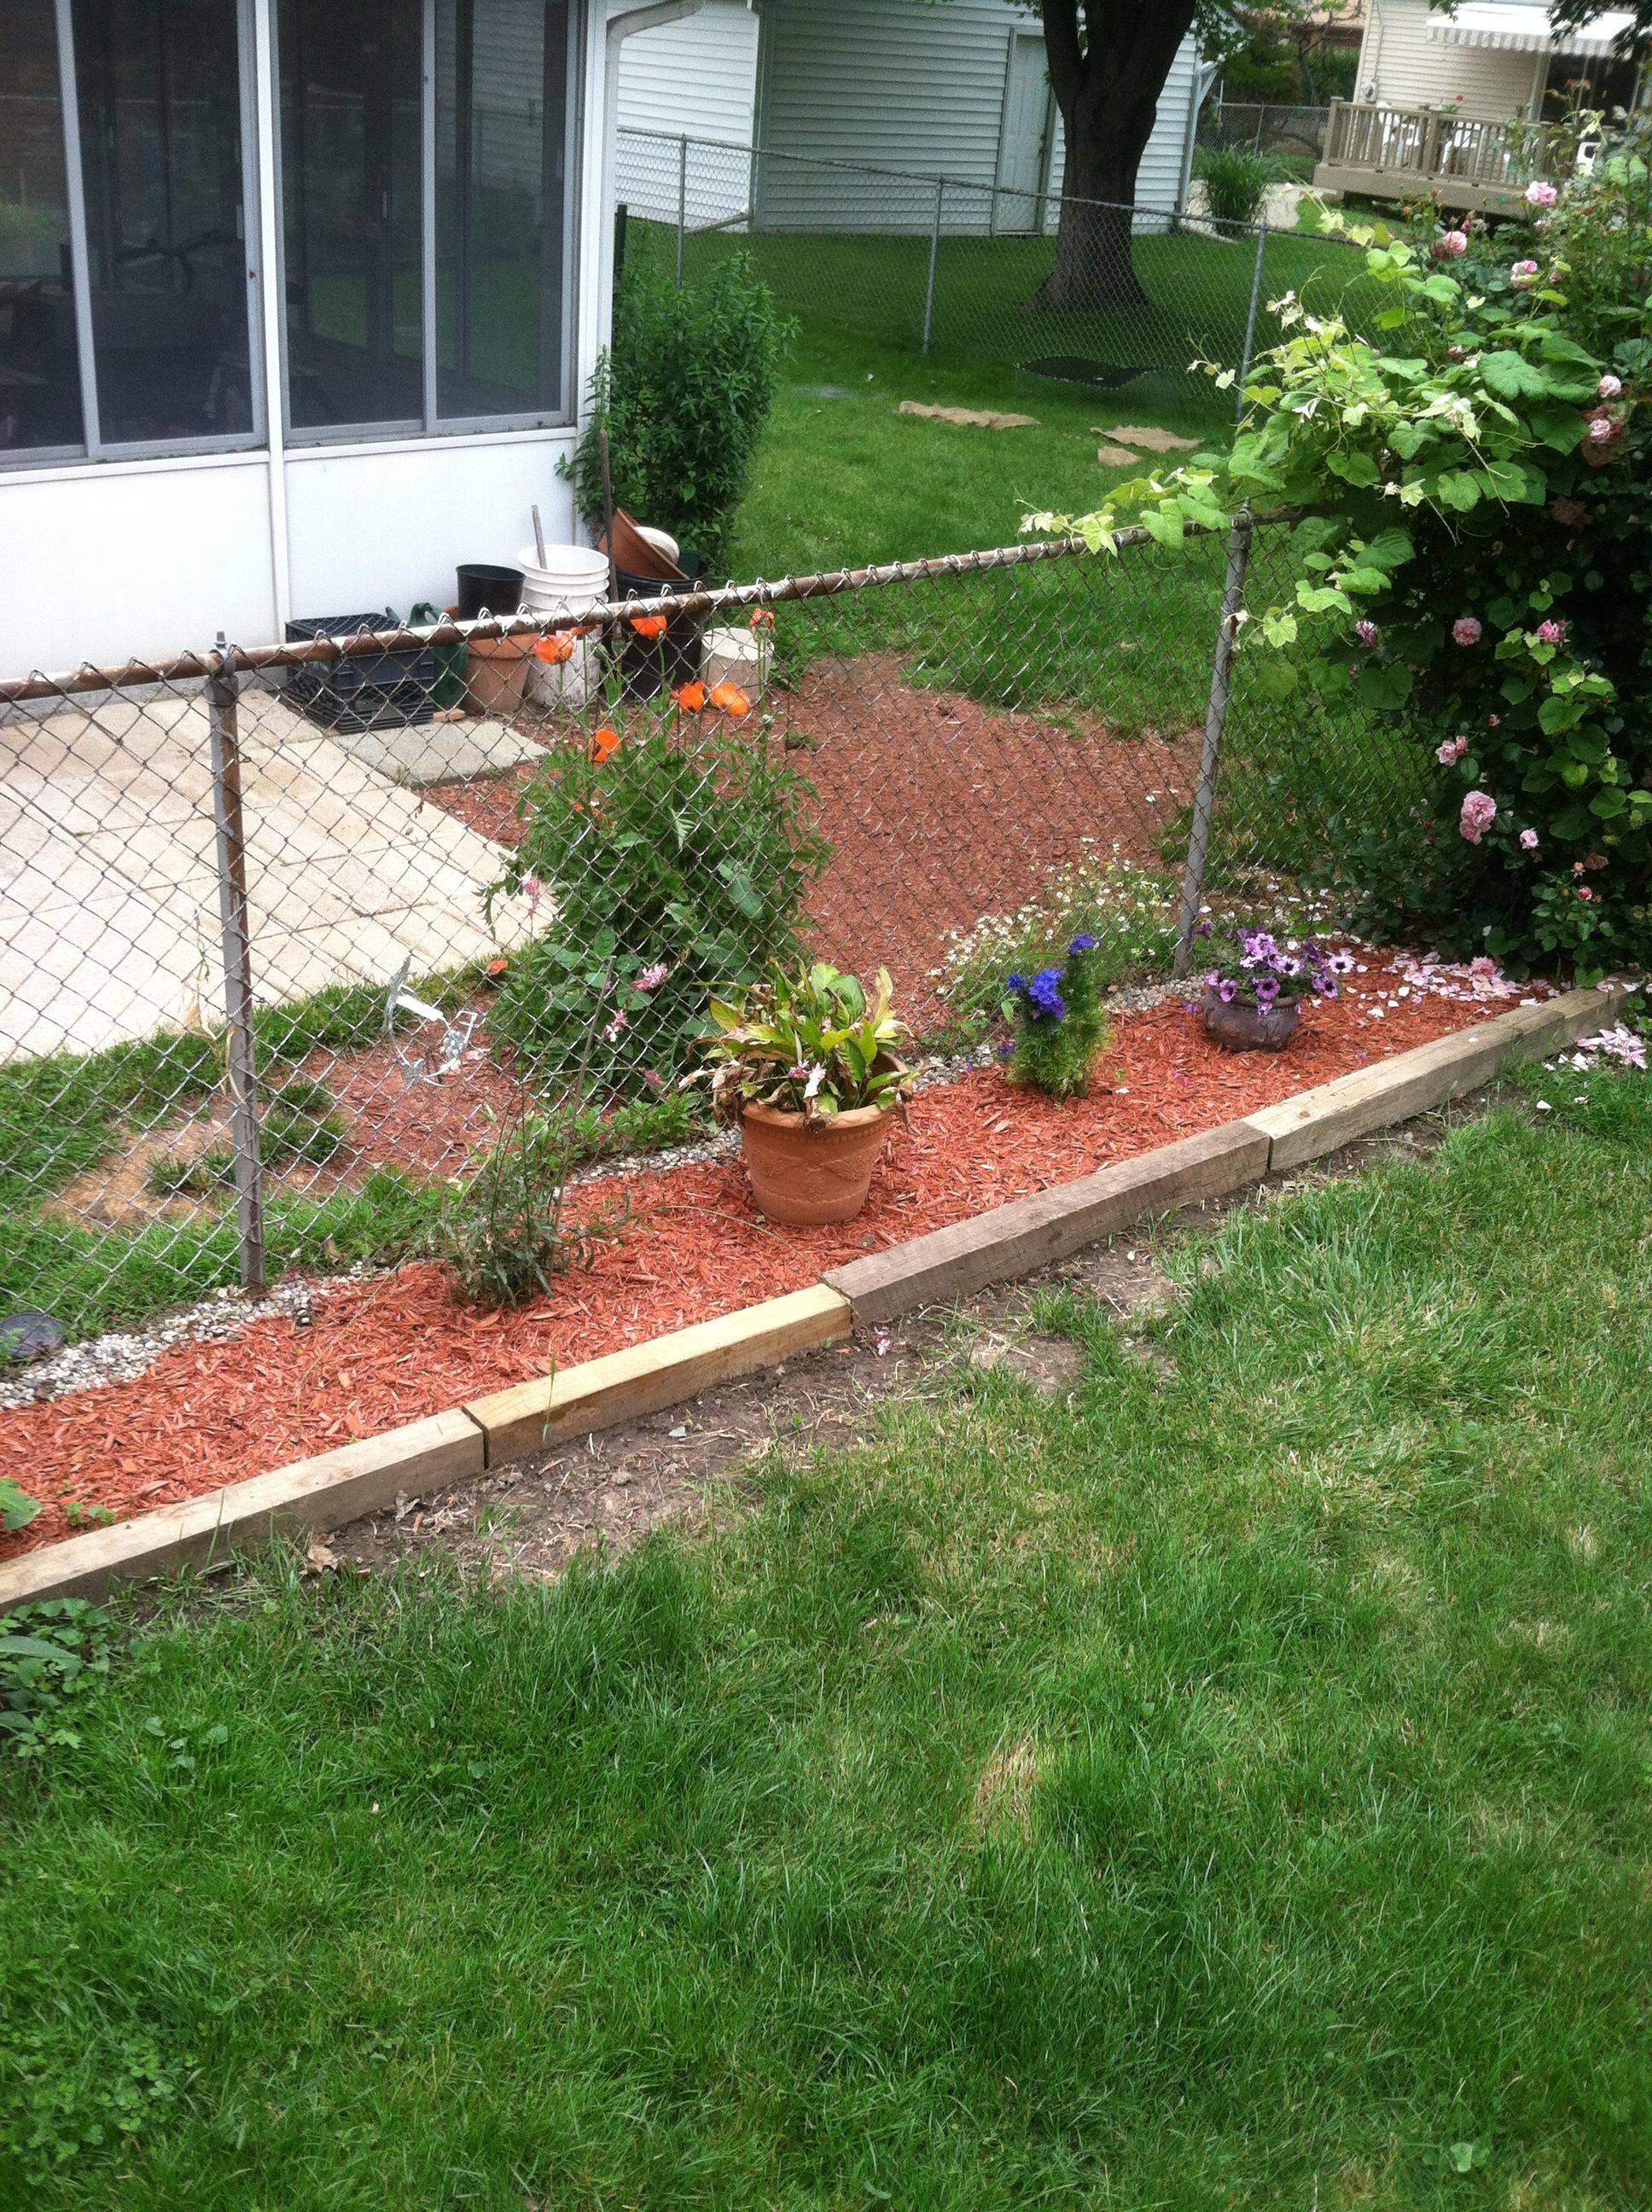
[
  {"x": 109, "y": 917},
  {"x": 440, "y": 752}
]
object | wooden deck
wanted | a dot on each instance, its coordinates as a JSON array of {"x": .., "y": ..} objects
[{"x": 1424, "y": 153}]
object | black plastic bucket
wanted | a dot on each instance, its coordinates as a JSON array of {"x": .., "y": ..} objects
[
  {"x": 678, "y": 651},
  {"x": 497, "y": 590}
]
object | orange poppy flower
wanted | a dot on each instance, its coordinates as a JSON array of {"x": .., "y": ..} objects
[
  {"x": 648, "y": 625},
  {"x": 691, "y": 697},
  {"x": 555, "y": 649},
  {"x": 497, "y": 967},
  {"x": 729, "y": 699},
  {"x": 605, "y": 743},
  {"x": 762, "y": 618}
]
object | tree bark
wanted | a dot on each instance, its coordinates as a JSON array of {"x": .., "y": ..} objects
[{"x": 1108, "y": 60}]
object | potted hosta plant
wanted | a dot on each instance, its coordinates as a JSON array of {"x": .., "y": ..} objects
[
  {"x": 1255, "y": 992},
  {"x": 806, "y": 1067}
]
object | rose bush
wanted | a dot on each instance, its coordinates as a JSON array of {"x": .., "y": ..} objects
[{"x": 1476, "y": 562}]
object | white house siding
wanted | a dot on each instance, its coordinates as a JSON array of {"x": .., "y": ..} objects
[
  {"x": 695, "y": 78},
  {"x": 1401, "y": 65},
  {"x": 915, "y": 90}
]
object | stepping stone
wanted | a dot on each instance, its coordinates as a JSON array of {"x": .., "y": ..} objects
[
  {"x": 972, "y": 418},
  {"x": 1117, "y": 457},
  {"x": 1150, "y": 438}
]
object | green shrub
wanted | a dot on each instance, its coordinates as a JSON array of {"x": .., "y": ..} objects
[
  {"x": 677, "y": 863},
  {"x": 682, "y": 395},
  {"x": 1475, "y": 576}
]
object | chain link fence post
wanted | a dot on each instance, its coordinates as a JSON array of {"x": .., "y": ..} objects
[
  {"x": 1216, "y": 719},
  {"x": 934, "y": 258},
  {"x": 682, "y": 204},
  {"x": 223, "y": 692}
]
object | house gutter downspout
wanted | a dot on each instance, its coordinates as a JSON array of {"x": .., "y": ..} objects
[{"x": 1204, "y": 75}]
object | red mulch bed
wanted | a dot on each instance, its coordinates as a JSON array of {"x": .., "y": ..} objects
[
  {"x": 937, "y": 810},
  {"x": 394, "y": 1349}
]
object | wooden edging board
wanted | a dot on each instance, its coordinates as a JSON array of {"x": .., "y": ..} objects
[{"x": 1013, "y": 1240}]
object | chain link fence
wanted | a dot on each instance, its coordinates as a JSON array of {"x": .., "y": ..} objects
[
  {"x": 1273, "y": 127},
  {"x": 1048, "y": 295},
  {"x": 289, "y": 937}
]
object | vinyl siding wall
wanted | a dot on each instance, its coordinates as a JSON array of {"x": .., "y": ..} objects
[
  {"x": 1401, "y": 66},
  {"x": 695, "y": 78},
  {"x": 899, "y": 86}
]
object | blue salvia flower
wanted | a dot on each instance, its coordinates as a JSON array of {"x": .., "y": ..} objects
[{"x": 1045, "y": 993}]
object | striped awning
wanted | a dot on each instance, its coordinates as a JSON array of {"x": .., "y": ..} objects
[{"x": 1524, "y": 29}]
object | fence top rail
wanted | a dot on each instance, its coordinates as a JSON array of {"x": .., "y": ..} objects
[
  {"x": 930, "y": 177},
  {"x": 186, "y": 667}
]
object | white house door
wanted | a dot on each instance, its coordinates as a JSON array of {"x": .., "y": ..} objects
[{"x": 1025, "y": 137}]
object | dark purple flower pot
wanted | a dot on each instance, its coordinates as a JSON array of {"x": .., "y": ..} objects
[{"x": 1240, "y": 1027}]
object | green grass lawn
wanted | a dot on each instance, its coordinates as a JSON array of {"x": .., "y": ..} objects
[
  {"x": 1231, "y": 1788},
  {"x": 843, "y": 477}
]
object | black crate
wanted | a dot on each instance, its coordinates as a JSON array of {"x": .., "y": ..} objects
[{"x": 363, "y": 691}]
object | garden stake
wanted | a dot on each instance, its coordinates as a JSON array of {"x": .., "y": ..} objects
[
  {"x": 241, "y": 1067},
  {"x": 1216, "y": 716}
]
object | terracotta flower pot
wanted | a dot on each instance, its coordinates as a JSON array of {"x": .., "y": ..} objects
[
  {"x": 1237, "y": 1026},
  {"x": 497, "y": 670},
  {"x": 805, "y": 1172}
]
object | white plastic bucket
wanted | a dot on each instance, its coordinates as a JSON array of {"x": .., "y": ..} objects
[{"x": 569, "y": 578}]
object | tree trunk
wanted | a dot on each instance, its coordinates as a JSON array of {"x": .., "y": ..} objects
[
  {"x": 1107, "y": 74},
  {"x": 1093, "y": 268}
]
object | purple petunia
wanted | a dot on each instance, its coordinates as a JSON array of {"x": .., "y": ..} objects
[
  {"x": 1267, "y": 988},
  {"x": 1226, "y": 989}
]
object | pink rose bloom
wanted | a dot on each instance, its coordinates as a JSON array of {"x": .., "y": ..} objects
[
  {"x": 1584, "y": 892},
  {"x": 1524, "y": 272},
  {"x": 1610, "y": 386},
  {"x": 1367, "y": 633},
  {"x": 1479, "y": 811},
  {"x": 1451, "y": 751},
  {"x": 1602, "y": 430},
  {"x": 1540, "y": 193},
  {"x": 1528, "y": 840},
  {"x": 1466, "y": 629},
  {"x": 1551, "y": 632},
  {"x": 1450, "y": 245}
]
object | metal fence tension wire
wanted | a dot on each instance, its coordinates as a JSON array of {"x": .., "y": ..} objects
[
  {"x": 934, "y": 256},
  {"x": 1216, "y": 717},
  {"x": 223, "y": 691}
]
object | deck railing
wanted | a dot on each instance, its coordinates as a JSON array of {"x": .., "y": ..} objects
[{"x": 1469, "y": 161}]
